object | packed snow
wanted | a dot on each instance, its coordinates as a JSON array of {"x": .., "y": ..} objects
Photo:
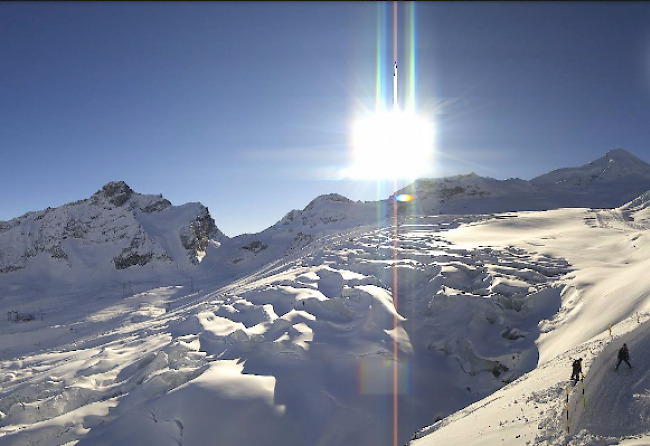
[
  {"x": 608, "y": 288},
  {"x": 339, "y": 325}
]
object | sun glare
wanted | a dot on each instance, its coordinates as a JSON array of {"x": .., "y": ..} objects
[{"x": 391, "y": 145}]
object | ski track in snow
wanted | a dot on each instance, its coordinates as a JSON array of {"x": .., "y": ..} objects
[
  {"x": 319, "y": 322},
  {"x": 619, "y": 399},
  {"x": 532, "y": 410}
]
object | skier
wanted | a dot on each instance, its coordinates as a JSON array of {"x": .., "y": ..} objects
[
  {"x": 623, "y": 355},
  {"x": 577, "y": 370}
]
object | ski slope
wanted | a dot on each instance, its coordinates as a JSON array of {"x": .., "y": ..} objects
[
  {"x": 618, "y": 403},
  {"x": 532, "y": 410},
  {"x": 608, "y": 250}
]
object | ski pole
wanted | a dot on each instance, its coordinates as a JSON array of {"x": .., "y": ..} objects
[{"x": 584, "y": 404}]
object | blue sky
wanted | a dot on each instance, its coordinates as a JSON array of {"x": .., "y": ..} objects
[{"x": 248, "y": 107}]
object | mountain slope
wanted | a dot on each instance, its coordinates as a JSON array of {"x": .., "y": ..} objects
[
  {"x": 299, "y": 351},
  {"x": 296, "y": 231},
  {"x": 332, "y": 327},
  {"x": 115, "y": 229},
  {"x": 614, "y": 165},
  {"x": 608, "y": 182},
  {"x": 609, "y": 251}
]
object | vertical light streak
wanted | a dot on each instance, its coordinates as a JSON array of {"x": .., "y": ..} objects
[
  {"x": 395, "y": 380},
  {"x": 394, "y": 30},
  {"x": 409, "y": 59},
  {"x": 412, "y": 45},
  {"x": 381, "y": 47},
  {"x": 395, "y": 55},
  {"x": 395, "y": 388},
  {"x": 411, "y": 53},
  {"x": 407, "y": 102}
]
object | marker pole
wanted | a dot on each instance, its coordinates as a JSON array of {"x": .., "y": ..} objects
[{"x": 568, "y": 426}]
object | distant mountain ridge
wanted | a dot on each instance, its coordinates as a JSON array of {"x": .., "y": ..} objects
[
  {"x": 614, "y": 165},
  {"x": 285, "y": 333},
  {"x": 608, "y": 182},
  {"x": 118, "y": 229}
]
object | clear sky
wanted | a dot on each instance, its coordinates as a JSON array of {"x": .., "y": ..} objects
[{"x": 248, "y": 107}]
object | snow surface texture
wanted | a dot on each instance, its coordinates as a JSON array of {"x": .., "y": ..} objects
[
  {"x": 609, "y": 253},
  {"x": 288, "y": 336},
  {"x": 302, "y": 350}
]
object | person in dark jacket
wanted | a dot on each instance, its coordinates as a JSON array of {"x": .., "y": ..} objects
[
  {"x": 577, "y": 370},
  {"x": 623, "y": 355}
]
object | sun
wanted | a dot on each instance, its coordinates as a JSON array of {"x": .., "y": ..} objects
[{"x": 391, "y": 145}]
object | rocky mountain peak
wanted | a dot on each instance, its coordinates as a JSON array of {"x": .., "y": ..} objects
[
  {"x": 115, "y": 192},
  {"x": 116, "y": 227},
  {"x": 119, "y": 194},
  {"x": 114, "y": 188}
]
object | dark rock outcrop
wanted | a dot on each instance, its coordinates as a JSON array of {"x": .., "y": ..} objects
[
  {"x": 195, "y": 238},
  {"x": 116, "y": 192}
]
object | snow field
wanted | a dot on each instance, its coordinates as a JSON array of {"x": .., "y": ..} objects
[
  {"x": 289, "y": 336},
  {"x": 532, "y": 409},
  {"x": 608, "y": 252},
  {"x": 619, "y": 399},
  {"x": 302, "y": 348}
]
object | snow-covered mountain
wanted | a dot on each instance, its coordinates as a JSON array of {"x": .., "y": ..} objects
[
  {"x": 608, "y": 182},
  {"x": 616, "y": 165},
  {"x": 326, "y": 215},
  {"x": 115, "y": 229},
  {"x": 335, "y": 326},
  {"x": 119, "y": 229},
  {"x": 329, "y": 212}
]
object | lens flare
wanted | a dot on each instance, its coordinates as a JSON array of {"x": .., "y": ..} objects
[{"x": 404, "y": 198}]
